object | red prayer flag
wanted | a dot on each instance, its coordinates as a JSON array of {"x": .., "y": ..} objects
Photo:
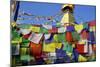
[
  {"x": 36, "y": 50},
  {"x": 69, "y": 37}
]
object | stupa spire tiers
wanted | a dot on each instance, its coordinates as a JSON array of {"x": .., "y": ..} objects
[{"x": 68, "y": 18}]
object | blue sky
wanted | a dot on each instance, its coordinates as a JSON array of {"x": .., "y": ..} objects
[{"x": 81, "y": 13}]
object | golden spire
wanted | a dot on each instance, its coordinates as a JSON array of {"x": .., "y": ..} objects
[{"x": 68, "y": 18}]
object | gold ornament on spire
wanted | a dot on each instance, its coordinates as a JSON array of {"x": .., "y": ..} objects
[
  {"x": 68, "y": 18},
  {"x": 68, "y": 7}
]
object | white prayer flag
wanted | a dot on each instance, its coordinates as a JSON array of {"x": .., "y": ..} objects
[
  {"x": 47, "y": 36},
  {"x": 47, "y": 26},
  {"x": 35, "y": 37},
  {"x": 24, "y": 31},
  {"x": 62, "y": 30}
]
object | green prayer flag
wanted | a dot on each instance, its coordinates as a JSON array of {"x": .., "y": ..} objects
[
  {"x": 43, "y": 30},
  {"x": 25, "y": 40},
  {"x": 24, "y": 26},
  {"x": 67, "y": 47},
  {"x": 85, "y": 25},
  {"x": 59, "y": 37},
  {"x": 25, "y": 57},
  {"x": 15, "y": 35},
  {"x": 76, "y": 36},
  {"x": 58, "y": 24}
]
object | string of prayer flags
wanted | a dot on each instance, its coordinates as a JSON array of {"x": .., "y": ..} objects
[{"x": 62, "y": 44}]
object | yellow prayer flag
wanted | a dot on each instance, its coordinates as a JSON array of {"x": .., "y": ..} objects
[
  {"x": 17, "y": 41},
  {"x": 50, "y": 47},
  {"x": 55, "y": 37},
  {"x": 82, "y": 58},
  {"x": 79, "y": 27},
  {"x": 23, "y": 51},
  {"x": 13, "y": 24},
  {"x": 69, "y": 54},
  {"x": 35, "y": 29},
  {"x": 58, "y": 45},
  {"x": 82, "y": 42}
]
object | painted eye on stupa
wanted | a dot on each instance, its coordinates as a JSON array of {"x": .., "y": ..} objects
[{"x": 67, "y": 8}]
